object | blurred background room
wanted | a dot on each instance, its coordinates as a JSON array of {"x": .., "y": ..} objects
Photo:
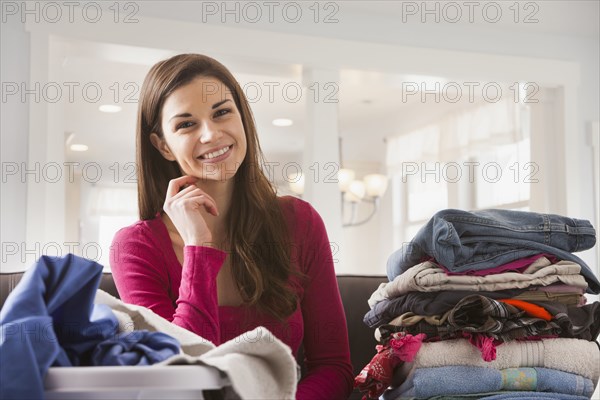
[{"x": 379, "y": 113}]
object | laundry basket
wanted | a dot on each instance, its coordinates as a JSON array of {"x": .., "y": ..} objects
[{"x": 175, "y": 382}]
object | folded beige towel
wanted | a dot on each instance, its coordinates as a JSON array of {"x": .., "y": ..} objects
[
  {"x": 576, "y": 356},
  {"x": 259, "y": 365}
]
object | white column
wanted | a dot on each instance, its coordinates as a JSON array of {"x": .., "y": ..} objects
[
  {"x": 594, "y": 130},
  {"x": 321, "y": 155},
  {"x": 45, "y": 188},
  {"x": 55, "y": 154},
  {"x": 573, "y": 142},
  {"x": 38, "y": 141},
  {"x": 14, "y": 130},
  {"x": 548, "y": 151}
]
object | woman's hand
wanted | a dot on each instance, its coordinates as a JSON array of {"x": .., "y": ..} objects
[{"x": 183, "y": 207}]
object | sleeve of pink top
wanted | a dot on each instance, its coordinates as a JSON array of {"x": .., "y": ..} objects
[
  {"x": 329, "y": 369},
  {"x": 141, "y": 276}
]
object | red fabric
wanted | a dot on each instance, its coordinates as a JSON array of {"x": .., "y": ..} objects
[
  {"x": 485, "y": 344},
  {"x": 146, "y": 272},
  {"x": 529, "y": 308},
  {"x": 406, "y": 346},
  {"x": 377, "y": 375}
]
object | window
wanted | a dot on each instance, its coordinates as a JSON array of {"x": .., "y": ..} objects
[
  {"x": 505, "y": 177},
  {"x": 107, "y": 209},
  {"x": 472, "y": 159},
  {"x": 108, "y": 225}
]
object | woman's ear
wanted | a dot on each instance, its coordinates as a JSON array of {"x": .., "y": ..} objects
[{"x": 161, "y": 146}]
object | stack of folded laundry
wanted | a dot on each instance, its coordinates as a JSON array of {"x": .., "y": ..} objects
[{"x": 487, "y": 304}]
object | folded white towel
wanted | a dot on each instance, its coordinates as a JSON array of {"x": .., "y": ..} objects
[{"x": 576, "y": 356}]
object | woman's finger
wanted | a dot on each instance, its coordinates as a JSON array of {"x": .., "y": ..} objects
[
  {"x": 186, "y": 190},
  {"x": 197, "y": 193},
  {"x": 183, "y": 192},
  {"x": 201, "y": 201},
  {"x": 176, "y": 184},
  {"x": 194, "y": 188}
]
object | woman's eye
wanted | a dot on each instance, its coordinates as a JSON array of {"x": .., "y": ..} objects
[
  {"x": 184, "y": 125},
  {"x": 222, "y": 111}
]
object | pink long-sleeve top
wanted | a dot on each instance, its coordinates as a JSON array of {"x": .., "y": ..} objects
[{"x": 147, "y": 272}]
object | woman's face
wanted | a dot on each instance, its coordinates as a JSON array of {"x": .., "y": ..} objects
[{"x": 203, "y": 130}]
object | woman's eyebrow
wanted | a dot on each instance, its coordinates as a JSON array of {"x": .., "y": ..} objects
[
  {"x": 187, "y": 115},
  {"x": 219, "y": 103},
  {"x": 183, "y": 115}
]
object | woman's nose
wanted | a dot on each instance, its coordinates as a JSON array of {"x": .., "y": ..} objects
[{"x": 209, "y": 133}]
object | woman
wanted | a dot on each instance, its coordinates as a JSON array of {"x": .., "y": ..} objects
[{"x": 215, "y": 250}]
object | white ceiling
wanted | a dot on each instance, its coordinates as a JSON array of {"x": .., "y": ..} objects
[
  {"x": 371, "y": 107},
  {"x": 572, "y": 17}
]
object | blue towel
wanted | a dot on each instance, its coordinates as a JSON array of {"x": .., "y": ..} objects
[
  {"x": 504, "y": 396},
  {"x": 513, "y": 396},
  {"x": 50, "y": 319},
  {"x": 458, "y": 380},
  {"x": 534, "y": 395}
]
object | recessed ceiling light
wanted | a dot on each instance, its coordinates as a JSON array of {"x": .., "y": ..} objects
[
  {"x": 283, "y": 122},
  {"x": 109, "y": 108},
  {"x": 78, "y": 147}
]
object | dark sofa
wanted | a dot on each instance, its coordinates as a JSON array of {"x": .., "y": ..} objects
[{"x": 354, "y": 289}]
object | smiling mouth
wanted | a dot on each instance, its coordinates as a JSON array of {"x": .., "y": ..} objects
[{"x": 215, "y": 154}]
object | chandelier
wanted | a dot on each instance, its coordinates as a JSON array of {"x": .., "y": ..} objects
[{"x": 354, "y": 192}]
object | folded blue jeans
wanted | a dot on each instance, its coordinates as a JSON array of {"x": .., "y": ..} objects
[{"x": 464, "y": 241}]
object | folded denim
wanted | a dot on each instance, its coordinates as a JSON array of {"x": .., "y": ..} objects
[
  {"x": 464, "y": 241},
  {"x": 514, "y": 266}
]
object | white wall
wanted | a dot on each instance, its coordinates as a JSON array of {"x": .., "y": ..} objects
[
  {"x": 371, "y": 243},
  {"x": 14, "y": 126}
]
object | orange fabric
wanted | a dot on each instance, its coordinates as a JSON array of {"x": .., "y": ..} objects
[{"x": 531, "y": 309}]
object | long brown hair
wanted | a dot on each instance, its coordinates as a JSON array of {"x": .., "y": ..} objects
[{"x": 256, "y": 229}]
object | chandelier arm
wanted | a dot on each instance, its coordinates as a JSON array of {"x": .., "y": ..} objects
[{"x": 375, "y": 203}]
